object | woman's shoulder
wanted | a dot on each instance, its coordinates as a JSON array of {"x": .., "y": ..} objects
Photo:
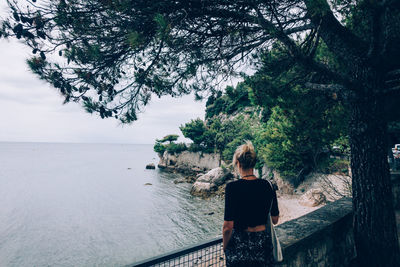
[
  {"x": 256, "y": 182},
  {"x": 242, "y": 181},
  {"x": 232, "y": 183},
  {"x": 266, "y": 183}
]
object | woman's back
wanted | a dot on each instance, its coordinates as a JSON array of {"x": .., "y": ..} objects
[
  {"x": 247, "y": 203},
  {"x": 246, "y": 241}
]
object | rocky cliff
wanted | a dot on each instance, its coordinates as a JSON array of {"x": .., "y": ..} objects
[{"x": 187, "y": 161}]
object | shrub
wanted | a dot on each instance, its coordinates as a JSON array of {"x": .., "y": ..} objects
[
  {"x": 159, "y": 148},
  {"x": 194, "y": 130},
  {"x": 176, "y": 148},
  {"x": 333, "y": 165},
  {"x": 195, "y": 147},
  {"x": 169, "y": 138}
]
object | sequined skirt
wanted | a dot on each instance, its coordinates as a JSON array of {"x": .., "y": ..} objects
[{"x": 249, "y": 249}]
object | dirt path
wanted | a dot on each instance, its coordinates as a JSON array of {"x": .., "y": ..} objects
[{"x": 289, "y": 208}]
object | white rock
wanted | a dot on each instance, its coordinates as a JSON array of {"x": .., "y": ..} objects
[
  {"x": 202, "y": 189},
  {"x": 216, "y": 176},
  {"x": 313, "y": 198},
  {"x": 209, "y": 182}
]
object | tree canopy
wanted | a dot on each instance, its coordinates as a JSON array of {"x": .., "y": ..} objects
[
  {"x": 194, "y": 130},
  {"x": 116, "y": 54},
  {"x": 169, "y": 138}
]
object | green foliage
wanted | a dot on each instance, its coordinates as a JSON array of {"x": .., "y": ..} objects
[
  {"x": 342, "y": 145},
  {"x": 232, "y": 133},
  {"x": 194, "y": 130},
  {"x": 234, "y": 99},
  {"x": 134, "y": 39},
  {"x": 297, "y": 126},
  {"x": 295, "y": 137},
  {"x": 172, "y": 148},
  {"x": 169, "y": 138},
  {"x": 195, "y": 148},
  {"x": 300, "y": 124},
  {"x": 220, "y": 136},
  {"x": 176, "y": 148},
  {"x": 159, "y": 148},
  {"x": 280, "y": 150},
  {"x": 334, "y": 165}
]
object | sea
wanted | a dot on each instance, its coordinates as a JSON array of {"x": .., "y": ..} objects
[{"x": 95, "y": 205}]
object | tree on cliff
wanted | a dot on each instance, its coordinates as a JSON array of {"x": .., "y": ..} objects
[
  {"x": 195, "y": 130},
  {"x": 169, "y": 138},
  {"x": 117, "y": 53}
]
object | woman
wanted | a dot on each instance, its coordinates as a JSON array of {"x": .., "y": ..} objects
[{"x": 248, "y": 201}]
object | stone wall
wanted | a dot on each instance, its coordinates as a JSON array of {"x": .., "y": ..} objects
[
  {"x": 321, "y": 238},
  {"x": 189, "y": 161},
  {"x": 324, "y": 237}
]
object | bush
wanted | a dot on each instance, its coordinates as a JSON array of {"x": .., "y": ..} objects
[
  {"x": 333, "y": 165},
  {"x": 169, "y": 138},
  {"x": 234, "y": 99},
  {"x": 194, "y": 130},
  {"x": 176, "y": 148},
  {"x": 279, "y": 149},
  {"x": 200, "y": 148},
  {"x": 195, "y": 147},
  {"x": 159, "y": 148}
]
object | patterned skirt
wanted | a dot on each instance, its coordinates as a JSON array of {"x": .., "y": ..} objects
[{"x": 249, "y": 249}]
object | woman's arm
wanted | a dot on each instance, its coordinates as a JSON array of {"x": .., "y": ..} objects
[{"x": 226, "y": 233}]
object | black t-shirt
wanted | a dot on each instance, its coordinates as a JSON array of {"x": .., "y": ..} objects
[{"x": 247, "y": 203}]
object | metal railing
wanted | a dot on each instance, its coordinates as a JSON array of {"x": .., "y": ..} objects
[{"x": 208, "y": 253}]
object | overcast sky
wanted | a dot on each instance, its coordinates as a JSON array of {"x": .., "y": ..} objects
[{"x": 32, "y": 111}]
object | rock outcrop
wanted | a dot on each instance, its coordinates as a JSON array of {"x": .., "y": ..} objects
[
  {"x": 284, "y": 186},
  {"x": 150, "y": 166},
  {"x": 186, "y": 179},
  {"x": 313, "y": 198},
  {"x": 208, "y": 184},
  {"x": 187, "y": 161}
]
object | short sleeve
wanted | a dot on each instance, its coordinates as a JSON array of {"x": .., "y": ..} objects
[
  {"x": 274, "y": 207},
  {"x": 229, "y": 211}
]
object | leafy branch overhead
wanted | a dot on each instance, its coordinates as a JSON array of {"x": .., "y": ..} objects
[{"x": 114, "y": 55}]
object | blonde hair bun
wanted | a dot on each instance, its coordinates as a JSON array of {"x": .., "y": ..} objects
[{"x": 245, "y": 155}]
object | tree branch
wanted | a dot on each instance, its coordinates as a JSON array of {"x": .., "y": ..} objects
[
  {"x": 328, "y": 88},
  {"x": 298, "y": 54},
  {"x": 348, "y": 47},
  {"x": 336, "y": 91}
]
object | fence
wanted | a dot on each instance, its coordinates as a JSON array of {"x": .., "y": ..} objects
[{"x": 208, "y": 253}]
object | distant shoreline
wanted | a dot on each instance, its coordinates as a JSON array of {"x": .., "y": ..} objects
[{"x": 69, "y": 143}]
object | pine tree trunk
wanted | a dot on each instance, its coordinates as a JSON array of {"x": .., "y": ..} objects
[{"x": 374, "y": 222}]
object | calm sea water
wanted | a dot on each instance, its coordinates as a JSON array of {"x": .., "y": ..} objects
[{"x": 88, "y": 205}]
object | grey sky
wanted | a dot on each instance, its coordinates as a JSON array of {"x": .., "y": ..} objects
[{"x": 32, "y": 111}]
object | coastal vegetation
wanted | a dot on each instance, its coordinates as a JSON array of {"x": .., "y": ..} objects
[
  {"x": 114, "y": 55},
  {"x": 160, "y": 147},
  {"x": 294, "y": 137}
]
